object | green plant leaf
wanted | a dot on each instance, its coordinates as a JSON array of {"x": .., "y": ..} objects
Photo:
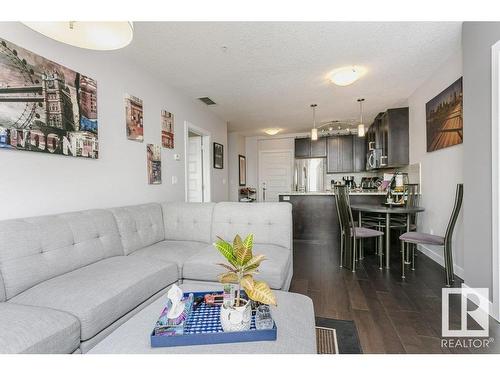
[
  {"x": 248, "y": 242},
  {"x": 247, "y": 282},
  {"x": 227, "y": 267},
  {"x": 254, "y": 263},
  {"x": 226, "y": 250},
  {"x": 261, "y": 293},
  {"x": 228, "y": 278},
  {"x": 242, "y": 252}
]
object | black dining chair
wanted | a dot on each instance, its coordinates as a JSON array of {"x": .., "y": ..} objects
[
  {"x": 352, "y": 234},
  {"x": 418, "y": 238}
]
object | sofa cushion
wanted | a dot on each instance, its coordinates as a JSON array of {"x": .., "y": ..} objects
[
  {"x": 102, "y": 292},
  {"x": 36, "y": 249},
  {"x": 172, "y": 251},
  {"x": 188, "y": 221},
  {"x": 203, "y": 266},
  {"x": 271, "y": 223},
  {"x": 29, "y": 329},
  {"x": 139, "y": 226}
]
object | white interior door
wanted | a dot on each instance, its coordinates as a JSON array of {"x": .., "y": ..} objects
[
  {"x": 275, "y": 174},
  {"x": 195, "y": 169}
]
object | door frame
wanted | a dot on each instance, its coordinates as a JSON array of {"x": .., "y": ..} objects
[
  {"x": 495, "y": 177},
  {"x": 259, "y": 182},
  {"x": 206, "y": 136}
]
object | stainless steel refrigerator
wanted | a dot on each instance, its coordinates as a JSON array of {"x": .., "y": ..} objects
[{"x": 309, "y": 175}]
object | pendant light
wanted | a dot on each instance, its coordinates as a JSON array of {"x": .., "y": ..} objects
[
  {"x": 102, "y": 36},
  {"x": 314, "y": 131},
  {"x": 361, "y": 126}
]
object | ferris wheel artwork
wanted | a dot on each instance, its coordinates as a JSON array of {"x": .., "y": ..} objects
[{"x": 44, "y": 106}]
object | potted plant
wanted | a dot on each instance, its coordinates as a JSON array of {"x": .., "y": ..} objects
[{"x": 243, "y": 265}]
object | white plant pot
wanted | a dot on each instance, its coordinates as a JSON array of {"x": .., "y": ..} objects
[{"x": 236, "y": 318}]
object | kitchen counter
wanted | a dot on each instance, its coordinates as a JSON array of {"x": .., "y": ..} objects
[
  {"x": 315, "y": 214},
  {"x": 332, "y": 193}
]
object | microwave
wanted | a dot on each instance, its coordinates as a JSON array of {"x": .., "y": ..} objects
[{"x": 375, "y": 159}]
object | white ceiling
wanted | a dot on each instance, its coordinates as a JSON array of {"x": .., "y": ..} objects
[{"x": 271, "y": 72}]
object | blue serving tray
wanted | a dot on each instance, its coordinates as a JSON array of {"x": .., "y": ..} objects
[{"x": 203, "y": 327}]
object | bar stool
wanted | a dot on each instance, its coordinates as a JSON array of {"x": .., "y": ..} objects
[
  {"x": 417, "y": 238},
  {"x": 353, "y": 235}
]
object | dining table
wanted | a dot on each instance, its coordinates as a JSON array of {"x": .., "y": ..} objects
[{"x": 387, "y": 210}]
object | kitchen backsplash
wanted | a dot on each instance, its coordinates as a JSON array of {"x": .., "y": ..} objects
[{"x": 413, "y": 171}]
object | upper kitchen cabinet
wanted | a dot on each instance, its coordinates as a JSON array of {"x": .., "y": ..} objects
[
  {"x": 359, "y": 154},
  {"x": 343, "y": 154},
  {"x": 306, "y": 148},
  {"x": 395, "y": 137},
  {"x": 390, "y": 134}
]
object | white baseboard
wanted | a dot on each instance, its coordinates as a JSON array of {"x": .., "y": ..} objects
[{"x": 438, "y": 258}]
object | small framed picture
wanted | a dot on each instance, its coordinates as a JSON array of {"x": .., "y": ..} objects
[
  {"x": 218, "y": 156},
  {"x": 242, "y": 162}
]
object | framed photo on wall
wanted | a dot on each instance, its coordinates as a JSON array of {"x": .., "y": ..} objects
[
  {"x": 218, "y": 156},
  {"x": 242, "y": 162}
]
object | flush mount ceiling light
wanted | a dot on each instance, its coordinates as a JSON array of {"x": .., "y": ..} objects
[
  {"x": 272, "y": 131},
  {"x": 361, "y": 126},
  {"x": 347, "y": 75},
  {"x": 314, "y": 130},
  {"x": 100, "y": 36}
]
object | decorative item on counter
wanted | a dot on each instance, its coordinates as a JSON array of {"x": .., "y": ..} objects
[
  {"x": 172, "y": 319},
  {"x": 242, "y": 266}
]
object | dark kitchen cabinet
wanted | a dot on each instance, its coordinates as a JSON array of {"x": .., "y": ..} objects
[
  {"x": 306, "y": 148},
  {"x": 346, "y": 153},
  {"x": 390, "y": 133},
  {"x": 395, "y": 125},
  {"x": 302, "y": 147},
  {"x": 359, "y": 154},
  {"x": 333, "y": 155},
  {"x": 342, "y": 154},
  {"x": 318, "y": 148}
]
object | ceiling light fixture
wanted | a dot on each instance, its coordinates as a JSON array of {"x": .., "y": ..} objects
[
  {"x": 272, "y": 131},
  {"x": 100, "y": 36},
  {"x": 361, "y": 126},
  {"x": 314, "y": 131},
  {"x": 347, "y": 75}
]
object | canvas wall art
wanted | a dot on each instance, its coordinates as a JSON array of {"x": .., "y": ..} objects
[
  {"x": 167, "y": 129},
  {"x": 444, "y": 117},
  {"x": 46, "y": 107},
  {"x": 134, "y": 115},
  {"x": 218, "y": 156},
  {"x": 154, "y": 164}
]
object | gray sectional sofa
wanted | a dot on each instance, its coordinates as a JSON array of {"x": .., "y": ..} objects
[{"x": 68, "y": 280}]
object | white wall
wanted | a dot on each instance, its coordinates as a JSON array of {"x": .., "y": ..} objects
[
  {"x": 36, "y": 184},
  {"x": 259, "y": 143},
  {"x": 235, "y": 147},
  {"x": 440, "y": 170}
]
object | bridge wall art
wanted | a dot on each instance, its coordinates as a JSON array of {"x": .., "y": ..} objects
[{"x": 45, "y": 107}]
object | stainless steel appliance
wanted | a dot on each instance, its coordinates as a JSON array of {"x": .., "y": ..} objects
[
  {"x": 309, "y": 175},
  {"x": 349, "y": 182},
  {"x": 375, "y": 159}
]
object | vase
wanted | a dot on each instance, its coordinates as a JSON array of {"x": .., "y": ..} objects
[{"x": 235, "y": 319}]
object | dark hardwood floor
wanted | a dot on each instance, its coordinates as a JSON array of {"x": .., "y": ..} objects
[{"x": 391, "y": 316}]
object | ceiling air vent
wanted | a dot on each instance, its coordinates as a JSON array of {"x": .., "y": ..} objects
[{"x": 207, "y": 100}]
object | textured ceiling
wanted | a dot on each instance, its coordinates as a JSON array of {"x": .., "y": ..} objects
[{"x": 269, "y": 73}]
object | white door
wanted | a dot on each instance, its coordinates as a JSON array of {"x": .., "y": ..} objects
[
  {"x": 275, "y": 174},
  {"x": 195, "y": 169}
]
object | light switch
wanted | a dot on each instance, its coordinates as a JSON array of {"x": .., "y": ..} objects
[
  {"x": 177, "y": 157},
  {"x": 223, "y": 181},
  {"x": 174, "y": 180}
]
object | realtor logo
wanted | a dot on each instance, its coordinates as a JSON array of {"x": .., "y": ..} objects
[{"x": 479, "y": 312}]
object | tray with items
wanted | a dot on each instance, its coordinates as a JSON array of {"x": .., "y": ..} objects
[{"x": 201, "y": 324}]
